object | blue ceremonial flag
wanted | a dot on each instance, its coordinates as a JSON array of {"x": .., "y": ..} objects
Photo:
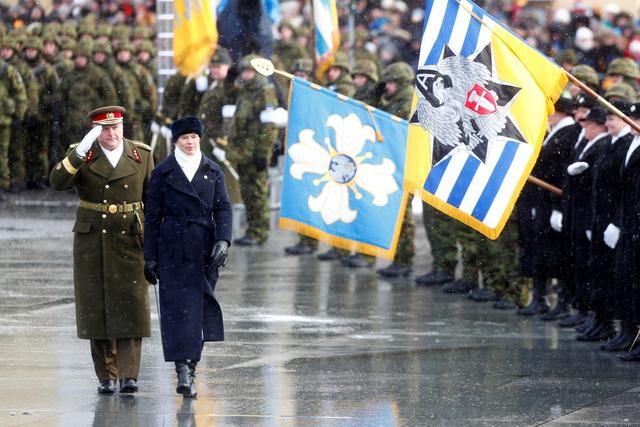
[
  {"x": 344, "y": 171},
  {"x": 483, "y": 95}
]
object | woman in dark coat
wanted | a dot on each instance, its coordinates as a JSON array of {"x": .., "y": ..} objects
[{"x": 187, "y": 235}]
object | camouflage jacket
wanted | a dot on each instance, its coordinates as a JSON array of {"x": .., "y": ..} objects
[
  {"x": 13, "y": 94},
  {"x": 210, "y": 111},
  {"x": 63, "y": 66},
  {"x": 125, "y": 87},
  {"x": 82, "y": 90},
  {"x": 249, "y": 137},
  {"x": 398, "y": 104},
  {"x": 369, "y": 94},
  {"x": 171, "y": 97},
  {"x": 190, "y": 97},
  {"x": 47, "y": 79},
  {"x": 344, "y": 85},
  {"x": 30, "y": 82}
]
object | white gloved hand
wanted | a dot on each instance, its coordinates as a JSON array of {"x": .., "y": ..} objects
[
  {"x": 533, "y": 213},
  {"x": 88, "y": 140},
  {"x": 556, "y": 220},
  {"x": 155, "y": 127},
  {"x": 577, "y": 168},
  {"x": 202, "y": 83},
  {"x": 165, "y": 132},
  {"x": 219, "y": 154},
  {"x": 611, "y": 236},
  {"x": 588, "y": 234},
  {"x": 228, "y": 111}
]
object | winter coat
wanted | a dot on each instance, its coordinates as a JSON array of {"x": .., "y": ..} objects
[{"x": 184, "y": 220}]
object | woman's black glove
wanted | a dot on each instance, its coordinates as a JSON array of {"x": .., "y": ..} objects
[
  {"x": 151, "y": 271},
  {"x": 219, "y": 253}
]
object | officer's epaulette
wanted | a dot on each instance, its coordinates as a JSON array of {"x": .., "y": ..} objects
[{"x": 141, "y": 145}]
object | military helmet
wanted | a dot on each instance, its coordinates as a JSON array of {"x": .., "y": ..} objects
[
  {"x": 49, "y": 36},
  {"x": 399, "y": 72},
  {"x": 621, "y": 91},
  {"x": 104, "y": 47},
  {"x": 53, "y": 27},
  {"x": 586, "y": 74},
  {"x": 245, "y": 62},
  {"x": 286, "y": 23},
  {"x": 85, "y": 27},
  {"x": 147, "y": 46},
  {"x": 121, "y": 32},
  {"x": 303, "y": 31},
  {"x": 341, "y": 61},
  {"x": 221, "y": 56},
  {"x": 366, "y": 67},
  {"x": 103, "y": 30},
  {"x": 33, "y": 43},
  {"x": 67, "y": 43},
  {"x": 35, "y": 29},
  {"x": 625, "y": 67},
  {"x": 124, "y": 45},
  {"x": 361, "y": 34},
  {"x": 567, "y": 56},
  {"x": 141, "y": 32},
  {"x": 84, "y": 48},
  {"x": 10, "y": 41},
  {"x": 68, "y": 30},
  {"x": 304, "y": 65}
]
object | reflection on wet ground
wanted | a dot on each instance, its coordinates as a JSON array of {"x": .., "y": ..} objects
[{"x": 308, "y": 343}]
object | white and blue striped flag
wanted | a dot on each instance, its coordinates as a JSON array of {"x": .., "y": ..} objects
[{"x": 483, "y": 97}]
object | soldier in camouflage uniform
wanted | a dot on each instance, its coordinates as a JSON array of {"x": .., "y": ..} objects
[
  {"x": 143, "y": 89},
  {"x": 145, "y": 56},
  {"x": 250, "y": 146},
  {"x": 216, "y": 118},
  {"x": 140, "y": 35},
  {"x": 169, "y": 111},
  {"x": 38, "y": 122},
  {"x": 13, "y": 104},
  {"x": 62, "y": 65},
  {"x": 79, "y": 91},
  {"x": 192, "y": 91},
  {"x": 365, "y": 79},
  {"x": 440, "y": 229},
  {"x": 398, "y": 94},
  {"x": 621, "y": 92},
  {"x": 285, "y": 53},
  {"x": 586, "y": 74},
  {"x": 125, "y": 89},
  {"x": 11, "y": 54},
  {"x": 622, "y": 70},
  {"x": 338, "y": 79},
  {"x": 303, "y": 68},
  {"x": 103, "y": 33}
]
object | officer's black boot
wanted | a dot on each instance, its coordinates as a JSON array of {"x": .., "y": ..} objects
[
  {"x": 560, "y": 311},
  {"x": 623, "y": 340},
  {"x": 574, "y": 320},
  {"x": 185, "y": 379}
]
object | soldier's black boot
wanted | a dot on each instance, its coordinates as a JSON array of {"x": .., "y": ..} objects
[
  {"x": 330, "y": 255},
  {"x": 586, "y": 324},
  {"x": 395, "y": 270},
  {"x": 185, "y": 379},
  {"x": 3, "y": 195},
  {"x": 433, "y": 278},
  {"x": 601, "y": 331},
  {"x": 246, "y": 240},
  {"x": 560, "y": 311},
  {"x": 631, "y": 356},
  {"x": 358, "y": 261},
  {"x": 299, "y": 248}
]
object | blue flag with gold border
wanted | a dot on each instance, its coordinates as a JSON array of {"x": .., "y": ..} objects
[{"x": 344, "y": 171}]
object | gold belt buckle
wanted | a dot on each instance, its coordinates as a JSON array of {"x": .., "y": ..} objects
[{"x": 112, "y": 209}]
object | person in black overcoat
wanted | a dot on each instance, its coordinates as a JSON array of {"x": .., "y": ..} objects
[
  {"x": 606, "y": 193},
  {"x": 623, "y": 234},
  {"x": 541, "y": 245},
  {"x": 187, "y": 236},
  {"x": 577, "y": 210}
]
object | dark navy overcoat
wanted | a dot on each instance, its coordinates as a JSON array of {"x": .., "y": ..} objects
[{"x": 183, "y": 220}]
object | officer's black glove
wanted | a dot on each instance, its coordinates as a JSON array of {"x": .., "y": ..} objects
[
  {"x": 151, "y": 271},
  {"x": 219, "y": 253}
]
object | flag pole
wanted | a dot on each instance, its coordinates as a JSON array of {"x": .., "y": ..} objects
[{"x": 586, "y": 89}]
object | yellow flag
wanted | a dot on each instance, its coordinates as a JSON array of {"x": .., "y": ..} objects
[
  {"x": 482, "y": 100},
  {"x": 195, "y": 35}
]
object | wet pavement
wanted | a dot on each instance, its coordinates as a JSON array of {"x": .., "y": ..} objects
[{"x": 307, "y": 344}]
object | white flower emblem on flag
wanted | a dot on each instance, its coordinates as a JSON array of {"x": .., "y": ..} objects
[{"x": 342, "y": 168}]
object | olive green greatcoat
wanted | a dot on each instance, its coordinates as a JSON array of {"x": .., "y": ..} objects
[{"x": 111, "y": 292}]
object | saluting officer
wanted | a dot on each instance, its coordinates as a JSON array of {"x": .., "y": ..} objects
[{"x": 110, "y": 176}]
